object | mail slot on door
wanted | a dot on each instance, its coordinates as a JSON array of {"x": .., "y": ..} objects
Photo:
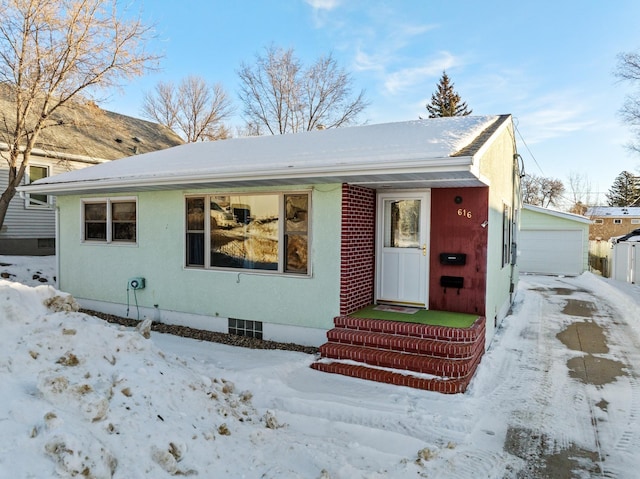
[
  {"x": 452, "y": 282},
  {"x": 456, "y": 259}
]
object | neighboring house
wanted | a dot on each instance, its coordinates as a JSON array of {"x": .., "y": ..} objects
[
  {"x": 553, "y": 242},
  {"x": 87, "y": 136},
  {"x": 610, "y": 221},
  {"x": 276, "y": 236}
]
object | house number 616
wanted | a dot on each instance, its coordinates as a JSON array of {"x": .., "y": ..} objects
[{"x": 464, "y": 212}]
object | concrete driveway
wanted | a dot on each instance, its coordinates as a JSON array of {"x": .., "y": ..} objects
[{"x": 582, "y": 424}]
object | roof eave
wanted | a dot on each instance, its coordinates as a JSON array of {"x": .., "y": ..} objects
[{"x": 338, "y": 173}]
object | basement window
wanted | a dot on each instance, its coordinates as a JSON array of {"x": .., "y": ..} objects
[
  {"x": 266, "y": 232},
  {"x": 46, "y": 243},
  {"x": 245, "y": 327},
  {"x": 109, "y": 220}
]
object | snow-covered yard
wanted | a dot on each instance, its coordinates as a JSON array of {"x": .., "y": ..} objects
[{"x": 79, "y": 397}]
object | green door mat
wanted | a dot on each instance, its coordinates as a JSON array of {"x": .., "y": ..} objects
[{"x": 420, "y": 316}]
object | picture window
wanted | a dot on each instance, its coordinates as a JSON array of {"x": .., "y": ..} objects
[{"x": 262, "y": 232}]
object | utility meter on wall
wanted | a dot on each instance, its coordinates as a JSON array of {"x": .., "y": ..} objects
[{"x": 136, "y": 283}]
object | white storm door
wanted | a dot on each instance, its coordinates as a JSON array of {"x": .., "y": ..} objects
[{"x": 402, "y": 248}]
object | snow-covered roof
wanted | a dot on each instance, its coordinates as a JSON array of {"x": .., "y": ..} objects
[
  {"x": 614, "y": 211},
  {"x": 629, "y": 239},
  {"x": 558, "y": 214},
  {"x": 408, "y": 153}
]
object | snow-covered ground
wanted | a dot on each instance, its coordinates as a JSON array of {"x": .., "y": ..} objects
[{"x": 82, "y": 398}]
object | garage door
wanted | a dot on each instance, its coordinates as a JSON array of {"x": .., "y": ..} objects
[{"x": 551, "y": 252}]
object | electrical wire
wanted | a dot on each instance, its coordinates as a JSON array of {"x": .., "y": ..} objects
[
  {"x": 561, "y": 197},
  {"x": 135, "y": 297},
  {"x": 515, "y": 125}
]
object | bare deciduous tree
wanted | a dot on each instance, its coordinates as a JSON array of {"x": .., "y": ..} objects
[
  {"x": 195, "y": 110},
  {"x": 628, "y": 69},
  {"x": 580, "y": 189},
  {"x": 277, "y": 92},
  {"x": 52, "y": 51},
  {"x": 541, "y": 191}
]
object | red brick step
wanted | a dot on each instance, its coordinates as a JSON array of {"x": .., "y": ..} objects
[
  {"x": 394, "y": 352},
  {"x": 445, "y": 386},
  {"x": 425, "y": 331},
  {"x": 398, "y": 360},
  {"x": 407, "y": 344}
]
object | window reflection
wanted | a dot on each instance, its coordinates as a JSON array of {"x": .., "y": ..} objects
[
  {"x": 402, "y": 223},
  {"x": 244, "y": 231}
]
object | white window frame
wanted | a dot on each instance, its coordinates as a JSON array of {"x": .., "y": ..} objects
[
  {"x": 281, "y": 233},
  {"x": 506, "y": 234},
  {"x": 108, "y": 201},
  {"x": 28, "y": 201},
  {"x": 599, "y": 221},
  {"x": 617, "y": 221}
]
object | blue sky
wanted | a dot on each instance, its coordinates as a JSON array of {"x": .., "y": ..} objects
[{"x": 547, "y": 62}]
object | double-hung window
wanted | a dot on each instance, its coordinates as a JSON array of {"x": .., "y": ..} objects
[
  {"x": 258, "y": 231},
  {"x": 33, "y": 200},
  {"x": 110, "y": 220}
]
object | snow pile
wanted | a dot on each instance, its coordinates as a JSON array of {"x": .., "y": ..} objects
[{"x": 82, "y": 398}]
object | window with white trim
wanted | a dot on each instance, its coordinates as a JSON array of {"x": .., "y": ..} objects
[
  {"x": 599, "y": 221},
  {"x": 110, "y": 220},
  {"x": 617, "y": 221},
  {"x": 258, "y": 231},
  {"x": 34, "y": 200},
  {"x": 506, "y": 234}
]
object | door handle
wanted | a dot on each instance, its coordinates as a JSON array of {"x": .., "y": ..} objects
[{"x": 424, "y": 249}]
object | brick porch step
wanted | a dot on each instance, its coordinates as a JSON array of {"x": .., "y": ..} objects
[
  {"x": 394, "y": 352},
  {"x": 407, "y": 344},
  {"x": 419, "y": 363},
  {"x": 425, "y": 331},
  {"x": 445, "y": 386}
]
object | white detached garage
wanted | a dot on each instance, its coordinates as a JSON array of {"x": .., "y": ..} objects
[{"x": 553, "y": 242}]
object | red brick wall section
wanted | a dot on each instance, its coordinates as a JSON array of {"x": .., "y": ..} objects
[
  {"x": 456, "y": 228},
  {"x": 357, "y": 250}
]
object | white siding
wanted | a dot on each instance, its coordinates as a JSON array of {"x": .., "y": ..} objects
[{"x": 23, "y": 222}]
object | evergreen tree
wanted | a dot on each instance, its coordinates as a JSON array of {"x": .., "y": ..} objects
[
  {"x": 625, "y": 190},
  {"x": 445, "y": 101}
]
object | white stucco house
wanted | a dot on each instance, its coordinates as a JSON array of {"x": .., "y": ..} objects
[{"x": 277, "y": 237}]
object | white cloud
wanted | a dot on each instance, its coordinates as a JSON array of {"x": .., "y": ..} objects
[
  {"x": 323, "y": 4},
  {"x": 365, "y": 62},
  {"x": 408, "y": 77},
  {"x": 554, "y": 115}
]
